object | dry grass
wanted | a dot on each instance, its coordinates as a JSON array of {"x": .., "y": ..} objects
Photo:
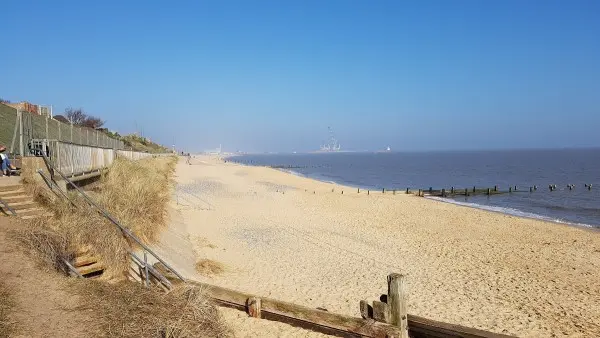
[
  {"x": 208, "y": 267},
  {"x": 48, "y": 246},
  {"x": 7, "y": 328},
  {"x": 130, "y": 310},
  {"x": 136, "y": 193}
]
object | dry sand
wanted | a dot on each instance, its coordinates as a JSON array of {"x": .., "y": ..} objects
[{"x": 292, "y": 238}]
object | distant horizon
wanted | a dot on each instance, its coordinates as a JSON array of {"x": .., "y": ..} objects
[{"x": 400, "y": 151}]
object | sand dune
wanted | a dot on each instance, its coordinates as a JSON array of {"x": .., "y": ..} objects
[{"x": 292, "y": 238}]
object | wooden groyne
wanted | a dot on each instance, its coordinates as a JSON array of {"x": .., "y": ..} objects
[{"x": 385, "y": 318}]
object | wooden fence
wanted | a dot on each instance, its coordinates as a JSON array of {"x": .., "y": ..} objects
[{"x": 385, "y": 318}]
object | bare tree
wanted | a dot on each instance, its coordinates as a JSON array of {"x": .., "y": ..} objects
[
  {"x": 92, "y": 122},
  {"x": 75, "y": 116},
  {"x": 78, "y": 117}
]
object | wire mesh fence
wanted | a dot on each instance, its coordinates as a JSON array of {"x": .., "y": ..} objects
[{"x": 19, "y": 128}]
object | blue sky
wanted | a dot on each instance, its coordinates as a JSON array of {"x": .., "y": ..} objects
[{"x": 273, "y": 75}]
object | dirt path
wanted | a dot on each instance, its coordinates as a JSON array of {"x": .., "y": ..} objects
[{"x": 43, "y": 307}]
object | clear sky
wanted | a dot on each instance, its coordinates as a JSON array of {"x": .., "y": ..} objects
[{"x": 273, "y": 75}]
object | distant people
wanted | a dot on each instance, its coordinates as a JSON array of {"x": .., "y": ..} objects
[
  {"x": 188, "y": 159},
  {"x": 6, "y": 165}
]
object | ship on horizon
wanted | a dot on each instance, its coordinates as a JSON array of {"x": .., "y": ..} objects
[{"x": 333, "y": 145}]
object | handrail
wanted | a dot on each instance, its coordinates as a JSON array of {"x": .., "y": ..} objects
[
  {"x": 52, "y": 184},
  {"x": 126, "y": 231},
  {"x": 5, "y": 204}
]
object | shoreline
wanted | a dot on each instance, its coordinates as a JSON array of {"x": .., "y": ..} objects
[{"x": 484, "y": 207}]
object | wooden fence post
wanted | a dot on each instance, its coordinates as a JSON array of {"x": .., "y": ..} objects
[
  {"x": 253, "y": 305},
  {"x": 397, "y": 299}
]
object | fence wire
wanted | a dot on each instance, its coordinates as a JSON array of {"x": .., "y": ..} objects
[{"x": 19, "y": 128}]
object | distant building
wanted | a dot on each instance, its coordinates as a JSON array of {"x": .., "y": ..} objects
[{"x": 32, "y": 108}]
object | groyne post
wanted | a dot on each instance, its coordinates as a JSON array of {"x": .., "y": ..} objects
[
  {"x": 509, "y": 189},
  {"x": 443, "y": 192},
  {"x": 466, "y": 192},
  {"x": 397, "y": 300},
  {"x": 358, "y": 190},
  {"x": 489, "y": 191},
  {"x": 383, "y": 190},
  {"x": 407, "y": 191}
]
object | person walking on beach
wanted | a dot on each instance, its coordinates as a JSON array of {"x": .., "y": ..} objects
[{"x": 188, "y": 159}]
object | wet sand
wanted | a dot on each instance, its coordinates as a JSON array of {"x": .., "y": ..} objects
[{"x": 292, "y": 238}]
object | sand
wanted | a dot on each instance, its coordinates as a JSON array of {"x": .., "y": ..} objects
[{"x": 291, "y": 238}]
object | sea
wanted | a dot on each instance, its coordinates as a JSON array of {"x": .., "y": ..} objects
[{"x": 577, "y": 168}]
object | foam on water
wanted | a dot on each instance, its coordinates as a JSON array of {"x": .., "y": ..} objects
[{"x": 508, "y": 211}]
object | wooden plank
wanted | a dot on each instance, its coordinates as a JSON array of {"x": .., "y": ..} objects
[
  {"x": 422, "y": 327},
  {"x": 381, "y": 312},
  {"x": 86, "y": 270},
  {"x": 316, "y": 319},
  {"x": 84, "y": 260},
  {"x": 330, "y": 323}
]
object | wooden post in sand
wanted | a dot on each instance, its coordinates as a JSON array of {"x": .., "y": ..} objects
[
  {"x": 253, "y": 305},
  {"x": 358, "y": 190},
  {"x": 383, "y": 190},
  {"x": 489, "y": 191},
  {"x": 473, "y": 188},
  {"x": 466, "y": 192},
  {"x": 509, "y": 189},
  {"x": 368, "y": 192},
  {"x": 394, "y": 192},
  {"x": 397, "y": 299},
  {"x": 407, "y": 191},
  {"x": 443, "y": 192}
]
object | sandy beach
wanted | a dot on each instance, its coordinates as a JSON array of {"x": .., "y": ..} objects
[{"x": 291, "y": 238}]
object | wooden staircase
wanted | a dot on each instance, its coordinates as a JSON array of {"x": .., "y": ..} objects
[
  {"x": 25, "y": 207},
  {"x": 18, "y": 200},
  {"x": 88, "y": 265}
]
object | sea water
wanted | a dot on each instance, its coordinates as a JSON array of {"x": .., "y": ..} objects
[{"x": 465, "y": 169}]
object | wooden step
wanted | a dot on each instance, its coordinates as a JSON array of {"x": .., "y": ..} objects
[
  {"x": 84, "y": 260},
  {"x": 23, "y": 205},
  {"x": 35, "y": 216},
  {"x": 16, "y": 198},
  {"x": 90, "y": 269},
  {"x": 5, "y": 188},
  {"x": 11, "y": 193}
]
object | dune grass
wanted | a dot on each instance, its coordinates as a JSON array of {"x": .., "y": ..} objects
[
  {"x": 136, "y": 193},
  {"x": 130, "y": 310}
]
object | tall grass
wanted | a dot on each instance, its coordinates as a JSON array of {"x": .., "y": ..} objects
[{"x": 136, "y": 193}]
